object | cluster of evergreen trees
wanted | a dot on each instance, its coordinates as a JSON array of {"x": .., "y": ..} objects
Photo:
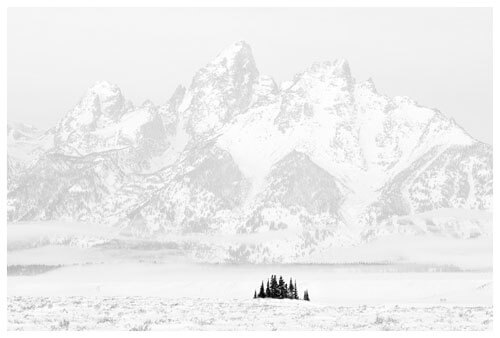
[{"x": 278, "y": 288}]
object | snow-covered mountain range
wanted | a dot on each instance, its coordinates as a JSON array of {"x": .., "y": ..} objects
[{"x": 249, "y": 170}]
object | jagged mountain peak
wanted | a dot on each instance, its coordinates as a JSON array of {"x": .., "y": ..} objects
[
  {"x": 369, "y": 85},
  {"x": 310, "y": 158},
  {"x": 236, "y": 47},
  {"x": 105, "y": 88},
  {"x": 109, "y": 98},
  {"x": 235, "y": 60},
  {"x": 147, "y": 104},
  {"x": 327, "y": 69},
  {"x": 221, "y": 90},
  {"x": 104, "y": 121},
  {"x": 236, "y": 50},
  {"x": 101, "y": 104},
  {"x": 334, "y": 75}
]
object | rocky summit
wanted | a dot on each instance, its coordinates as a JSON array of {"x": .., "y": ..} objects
[{"x": 238, "y": 168}]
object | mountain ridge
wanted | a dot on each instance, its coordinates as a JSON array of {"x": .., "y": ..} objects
[{"x": 210, "y": 160}]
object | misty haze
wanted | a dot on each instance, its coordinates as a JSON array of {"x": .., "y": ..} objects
[{"x": 171, "y": 216}]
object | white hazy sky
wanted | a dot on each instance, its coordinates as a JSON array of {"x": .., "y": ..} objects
[{"x": 442, "y": 58}]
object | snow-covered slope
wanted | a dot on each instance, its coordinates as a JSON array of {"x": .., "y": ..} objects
[
  {"x": 24, "y": 143},
  {"x": 293, "y": 170}
]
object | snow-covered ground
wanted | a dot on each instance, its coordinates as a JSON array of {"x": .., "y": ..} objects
[
  {"x": 143, "y": 296},
  {"x": 327, "y": 284},
  {"x": 157, "y": 313},
  {"x": 67, "y": 279}
]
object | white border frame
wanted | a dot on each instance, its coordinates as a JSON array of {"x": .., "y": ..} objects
[{"x": 245, "y": 3}]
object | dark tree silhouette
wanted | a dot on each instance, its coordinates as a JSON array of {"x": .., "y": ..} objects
[
  {"x": 281, "y": 288},
  {"x": 306, "y": 295},
  {"x": 262, "y": 293},
  {"x": 274, "y": 287},
  {"x": 291, "y": 290},
  {"x": 277, "y": 288}
]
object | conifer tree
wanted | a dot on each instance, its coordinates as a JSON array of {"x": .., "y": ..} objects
[
  {"x": 278, "y": 288},
  {"x": 291, "y": 291},
  {"x": 306, "y": 295},
  {"x": 271, "y": 287},
  {"x": 274, "y": 287},
  {"x": 262, "y": 293},
  {"x": 281, "y": 288}
]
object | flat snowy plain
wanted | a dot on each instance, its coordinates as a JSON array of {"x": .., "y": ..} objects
[{"x": 81, "y": 286}]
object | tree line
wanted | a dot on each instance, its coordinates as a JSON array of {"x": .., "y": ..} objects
[{"x": 278, "y": 288}]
